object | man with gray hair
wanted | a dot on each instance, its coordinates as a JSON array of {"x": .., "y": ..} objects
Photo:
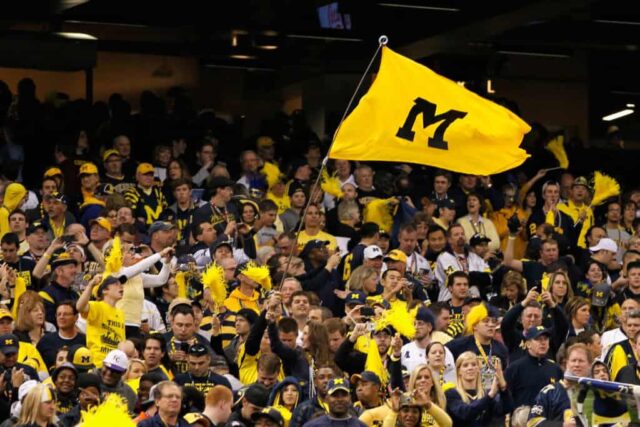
[{"x": 167, "y": 396}]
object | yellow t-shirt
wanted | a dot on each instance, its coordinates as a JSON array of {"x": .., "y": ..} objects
[
  {"x": 303, "y": 238},
  {"x": 105, "y": 329},
  {"x": 26, "y": 351},
  {"x": 248, "y": 367}
]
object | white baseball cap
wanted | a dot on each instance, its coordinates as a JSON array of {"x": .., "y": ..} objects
[
  {"x": 25, "y": 388},
  {"x": 605, "y": 244},
  {"x": 116, "y": 360},
  {"x": 372, "y": 252}
]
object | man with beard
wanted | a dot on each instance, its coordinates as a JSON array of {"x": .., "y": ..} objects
[
  {"x": 414, "y": 353},
  {"x": 458, "y": 258},
  {"x": 482, "y": 322}
]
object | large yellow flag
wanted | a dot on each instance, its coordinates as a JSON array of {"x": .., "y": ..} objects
[{"x": 411, "y": 114}]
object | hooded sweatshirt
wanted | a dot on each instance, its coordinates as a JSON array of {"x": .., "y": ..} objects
[
  {"x": 13, "y": 195},
  {"x": 275, "y": 398}
]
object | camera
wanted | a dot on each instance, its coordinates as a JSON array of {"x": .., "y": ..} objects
[
  {"x": 513, "y": 223},
  {"x": 67, "y": 238},
  {"x": 367, "y": 312}
]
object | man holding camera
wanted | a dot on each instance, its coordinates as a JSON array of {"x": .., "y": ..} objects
[{"x": 13, "y": 373}]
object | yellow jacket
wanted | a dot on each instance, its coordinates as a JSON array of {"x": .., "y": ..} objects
[
  {"x": 13, "y": 196},
  {"x": 237, "y": 301}
]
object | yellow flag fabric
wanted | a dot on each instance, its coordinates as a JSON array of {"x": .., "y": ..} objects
[{"x": 411, "y": 114}]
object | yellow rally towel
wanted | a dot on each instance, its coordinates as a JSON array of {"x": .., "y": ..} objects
[{"x": 411, "y": 114}]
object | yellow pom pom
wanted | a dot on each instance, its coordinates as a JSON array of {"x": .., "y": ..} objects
[
  {"x": 556, "y": 147},
  {"x": 112, "y": 412},
  {"x": 213, "y": 278},
  {"x": 259, "y": 274},
  {"x": 181, "y": 282},
  {"x": 604, "y": 187},
  {"x": 331, "y": 185},
  {"x": 475, "y": 315}
]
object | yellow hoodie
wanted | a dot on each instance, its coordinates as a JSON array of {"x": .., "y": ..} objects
[
  {"x": 13, "y": 196},
  {"x": 237, "y": 301}
]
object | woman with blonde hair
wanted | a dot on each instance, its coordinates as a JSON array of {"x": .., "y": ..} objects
[
  {"x": 38, "y": 408},
  {"x": 468, "y": 404},
  {"x": 363, "y": 279},
  {"x": 30, "y": 322},
  {"x": 423, "y": 383},
  {"x": 136, "y": 369}
]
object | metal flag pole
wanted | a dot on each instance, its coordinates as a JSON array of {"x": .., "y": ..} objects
[{"x": 382, "y": 41}]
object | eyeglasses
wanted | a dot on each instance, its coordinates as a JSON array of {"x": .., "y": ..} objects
[{"x": 171, "y": 396}]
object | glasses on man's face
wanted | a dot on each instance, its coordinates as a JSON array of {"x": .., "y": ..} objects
[
  {"x": 172, "y": 396},
  {"x": 112, "y": 371}
]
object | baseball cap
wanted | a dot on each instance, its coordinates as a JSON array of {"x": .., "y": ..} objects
[
  {"x": 160, "y": 226},
  {"x": 425, "y": 315},
  {"x": 178, "y": 301},
  {"x": 86, "y": 380},
  {"x": 144, "y": 168},
  {"x": 396, "y": 255},
  {"x": 384, "y": 234},
  {"x": 337, "y": 384},
  {"x": 355, "y": 297},
  {"x": 25, "y": 388},
  {"x": 479, "y": 238},
  {"x": 600, "y": 294},
  {"x": 58, "y": 197},
  {"x": 88, "y": 169},
  {"x": 116, "y": 360},
  {"x": 248, "y": 314},
  {"x": 605, "y": 244},
  {"x": 197, "y": 350},
  {"x": 264, "y": 142},
  {"x": 311, "y": 245},
  {"x": 111, "y": 280},
  {"x": 219, "y": 362},
  {"x": 63, "y": 258},
  {"x": 220, "y": 243},
  {"x": 446, "y": 203},
  {"x": 194, "y": 417},
  {"x": 407, "y": 400},
  {"x": 535, "y": 331},
  {"x": 270, "y": 413},
  {"x": 51, "y": 172},
  {"x": 109, "y": 153},
  {"x": 257, "y": 395},
  {"x": 220, "y": 181},
  {"x": 5, "y": 313},
  {"x": 368, "y": 376},
  {"x": 102, "y": 222},
  {"x": 294, "y": 187},
  {"x": 81, "y": 357},
  {"x": 35, "y": 226},
  {"x": 8, "y": 344},
  {"x": 372, "y": 252},
  {"x": 581, "y": 180},
  {"x": 62, "y": 367}
]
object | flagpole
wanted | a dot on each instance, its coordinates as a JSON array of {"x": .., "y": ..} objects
[{"x": 382, "y": 41}]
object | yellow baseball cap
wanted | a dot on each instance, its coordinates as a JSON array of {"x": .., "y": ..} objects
[
  {"x": 145, "y": 168},
  {"x": 102, "y": 222},
  {"x": 88, "y": 169},
  {"x": 5, "y": 313},
  {"x": 52, "y": 172},
  {"x": 396, "y": 255},
  {"x": 109, "y": 153}
]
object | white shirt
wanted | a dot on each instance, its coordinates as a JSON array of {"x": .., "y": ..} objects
[
  {"x": 151, "y": 314},
  {"x": 447, "y": 263},
  {"x": 413, "y": 356},
  {"x": 609, "y": 338}
]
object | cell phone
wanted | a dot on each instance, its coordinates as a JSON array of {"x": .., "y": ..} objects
[
  {"x": 67, "y": 238},
  {"x": 367, "y": 312},
  {"x": 184, "y": 346}
]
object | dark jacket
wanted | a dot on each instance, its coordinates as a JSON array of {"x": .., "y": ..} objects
[
  {"x": 327, "y": 420},
  {"x": 477, "y": 413},
  {"x": 528, "y": 375},
  {"x": 155, "y": 421},
  {"x": 275, "y": 398},
  {"x": 294, "y": 361},
  {"x": 306, "y": 411},
  {"x": 514, "y": 339},
  {"x": 71, "y": 418},
  {"x": 54, "y": 294}
]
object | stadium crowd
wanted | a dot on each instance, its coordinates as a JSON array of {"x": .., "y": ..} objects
[{"x": 208, "y": 279}]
